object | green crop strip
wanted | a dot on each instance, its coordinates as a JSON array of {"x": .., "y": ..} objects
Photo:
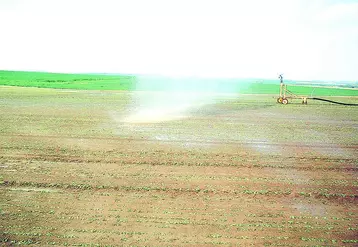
[{"x": 157, "y": 83}]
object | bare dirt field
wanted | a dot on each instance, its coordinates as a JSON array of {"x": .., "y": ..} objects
[{"x": 94, "y": 168}]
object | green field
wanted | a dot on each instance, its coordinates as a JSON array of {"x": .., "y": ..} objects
[
  {"x": 66, "y": 81},
  {"x": 156, "y": 83}
]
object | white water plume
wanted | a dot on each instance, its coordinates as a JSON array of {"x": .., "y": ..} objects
[
  {"x": 151, "y": 107},
  {"x": 159, "y": 99}
]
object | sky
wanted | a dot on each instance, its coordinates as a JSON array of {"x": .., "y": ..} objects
[{"x": 303, "y": 39}]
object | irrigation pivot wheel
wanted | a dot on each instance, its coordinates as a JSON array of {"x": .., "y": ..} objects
[
  {"x": 279, "y": 100},
  {"x": 285, "y": 101}
]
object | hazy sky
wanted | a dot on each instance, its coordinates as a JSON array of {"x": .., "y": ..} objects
[{"x": 304, "y": 39}]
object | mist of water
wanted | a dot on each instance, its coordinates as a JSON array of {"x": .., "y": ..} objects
[{"x": 159, "y": 99}]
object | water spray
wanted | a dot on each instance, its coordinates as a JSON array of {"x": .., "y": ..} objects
[{"x": 171, "y": 98}]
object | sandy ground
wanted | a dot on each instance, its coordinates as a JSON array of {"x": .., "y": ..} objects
[{"x": 121, "y": 169}]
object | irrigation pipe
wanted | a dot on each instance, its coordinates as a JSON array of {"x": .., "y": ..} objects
[{"x": 334, "y": 102}]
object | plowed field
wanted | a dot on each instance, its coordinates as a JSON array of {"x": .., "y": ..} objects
[{"x": 239, "y": 170}]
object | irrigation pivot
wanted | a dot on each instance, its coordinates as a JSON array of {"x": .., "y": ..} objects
[{"x": 286, "y": 94}]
